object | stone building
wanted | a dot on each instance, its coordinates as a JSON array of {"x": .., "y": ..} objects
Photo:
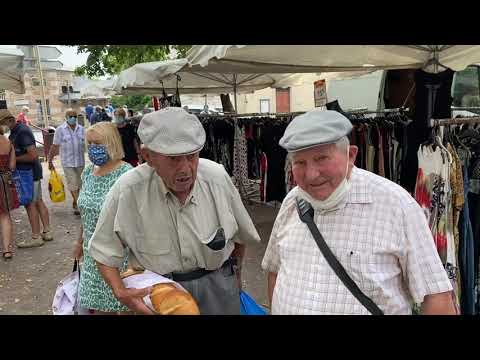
[{"x": 62, "y": 91}]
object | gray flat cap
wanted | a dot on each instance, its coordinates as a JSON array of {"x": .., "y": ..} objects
[
  {"x": 316, "y": 127},
  {"x": 172, "y": 131}
]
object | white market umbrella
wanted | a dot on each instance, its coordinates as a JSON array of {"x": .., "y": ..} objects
[
  {"x": 97, "y": 89},
  {"x": 152, "y": 77},
  {"x": 330, "y": 58},
  {"x": 11, "y": 70}
]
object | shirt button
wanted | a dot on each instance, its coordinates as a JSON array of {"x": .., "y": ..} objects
[{"x": 185, "y": 259}]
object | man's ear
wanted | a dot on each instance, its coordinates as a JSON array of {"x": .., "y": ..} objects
[
  {"x": 146, "y": 155},
  {"x": 352, "y": 154}
]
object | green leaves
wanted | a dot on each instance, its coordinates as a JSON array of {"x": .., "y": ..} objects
[
  {"x": 134, "y": 102},
  {"x": 111, "y": 59}
]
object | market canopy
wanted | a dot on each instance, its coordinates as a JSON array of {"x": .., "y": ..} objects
[
  {"x": 330, "y": 58},
  {"x": 152, "y": 77},
  {"x": 11, "y": 70}
]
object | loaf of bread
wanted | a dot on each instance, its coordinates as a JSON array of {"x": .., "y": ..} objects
[{"x": 167, "y": 299}]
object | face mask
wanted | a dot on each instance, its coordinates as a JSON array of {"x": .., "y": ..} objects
[
  {"x": 335, "y": 198},
  {"x": 120, "y": 120},
  {"x": 98, "y": 154},
  {"x": 71, "y": 120}
]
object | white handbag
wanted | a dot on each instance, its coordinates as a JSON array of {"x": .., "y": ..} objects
[{"x": 65, "y": 301}]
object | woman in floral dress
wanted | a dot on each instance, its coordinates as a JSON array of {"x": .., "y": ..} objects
[{"x": 105, "y": 151}]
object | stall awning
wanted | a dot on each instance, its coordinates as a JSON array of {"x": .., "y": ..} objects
[
  {"x": 11, "y": 70},
  {"x": 329, "y": 58}
]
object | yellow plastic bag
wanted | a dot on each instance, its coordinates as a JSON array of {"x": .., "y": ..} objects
[{"x": 55, "y": 187}]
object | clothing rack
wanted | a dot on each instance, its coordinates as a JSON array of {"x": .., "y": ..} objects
[
  {"x": 385, "y": 111},
  {"x": 465, "y": 108},
  {"x": 454, "y": 121},
  {"x": 249, "y": 115}
]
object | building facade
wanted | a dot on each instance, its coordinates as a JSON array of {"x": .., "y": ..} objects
[
  {"x": 56, "y": 81},
  {"x": 292, "y": 99}
]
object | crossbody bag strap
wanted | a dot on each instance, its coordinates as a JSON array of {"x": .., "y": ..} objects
[{"x": 305, "y": 211}]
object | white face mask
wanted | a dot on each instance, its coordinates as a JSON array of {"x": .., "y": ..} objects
[{"x": 335, "y": 198}]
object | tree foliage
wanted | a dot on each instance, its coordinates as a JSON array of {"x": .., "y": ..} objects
[
  {"x": 134, "y": 102},
  {"x": 111, "y": 59}
]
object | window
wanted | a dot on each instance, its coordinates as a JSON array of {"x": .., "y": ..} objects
[
  {"x": 36, "y": 82},
  {"x": 466, "y": 87},
  {"x": 265, "y": 105}
]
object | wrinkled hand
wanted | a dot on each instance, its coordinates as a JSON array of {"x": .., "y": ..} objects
[
  {"x": 133, "y": 299},
  {"x": 78, "y": 250}
]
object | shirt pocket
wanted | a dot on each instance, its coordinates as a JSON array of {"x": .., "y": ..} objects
[
  {"x": 80, "y": 138},
  {"x": 155, "y": 253},
  {"x": 214, "y": 258},
  {"x": 374, "y": 273}
]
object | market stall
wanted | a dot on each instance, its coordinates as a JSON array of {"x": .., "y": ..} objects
[{"x": 11, "y": 70}]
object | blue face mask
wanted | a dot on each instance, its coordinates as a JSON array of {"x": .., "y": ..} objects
[
  {"x": 71, "y": 120},
  {"x": 120, "y": 120},
  {"x": 98, "y": 154}
]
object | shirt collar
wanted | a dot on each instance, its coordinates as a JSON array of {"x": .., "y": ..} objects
[
  {"x": 66, "y": 126},
  {"x": 360, "y": 191}
]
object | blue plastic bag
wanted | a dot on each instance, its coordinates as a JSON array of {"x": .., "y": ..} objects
[
  {"x": 248, "y": 306},
  {"x": 24, "y": 183}
]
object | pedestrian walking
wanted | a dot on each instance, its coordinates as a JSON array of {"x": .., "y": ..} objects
[
  {"x": 23, "y": 140},
  {"x": 105, "y": 152},
  {"x": 69, "y": 141}
]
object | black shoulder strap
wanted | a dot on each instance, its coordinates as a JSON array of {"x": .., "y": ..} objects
[
  {"x": 76, "y": 266},
  {"x": 305, "y": 211}
]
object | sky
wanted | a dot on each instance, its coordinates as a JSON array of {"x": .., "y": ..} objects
[{"x": 69, "y": 57}]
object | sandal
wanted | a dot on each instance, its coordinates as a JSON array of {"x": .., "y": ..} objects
[{"x": 7, "y": 255}]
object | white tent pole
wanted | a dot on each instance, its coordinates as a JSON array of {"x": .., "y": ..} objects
[
  {"x": 42, "y": 86},
  {"x": 235, "y": 92}
]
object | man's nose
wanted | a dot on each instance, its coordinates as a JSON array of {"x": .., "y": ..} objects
[
  {"x": 182, "y": 162},
  {"x": 312, "y": 173}
]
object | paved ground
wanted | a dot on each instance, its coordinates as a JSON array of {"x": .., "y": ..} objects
[{"x": 28, "y": 282}]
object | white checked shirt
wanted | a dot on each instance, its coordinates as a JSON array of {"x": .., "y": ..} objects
[
  {"x": 381, "y": 237},
  {"x": 72, "y": 145}
]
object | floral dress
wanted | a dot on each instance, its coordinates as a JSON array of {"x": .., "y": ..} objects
[{"x": 94, "y": 292}]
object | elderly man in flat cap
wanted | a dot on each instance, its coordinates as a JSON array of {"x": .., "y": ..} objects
[
  {"x": 180, "y": 216},
  {"x": 373, "y": 228}
]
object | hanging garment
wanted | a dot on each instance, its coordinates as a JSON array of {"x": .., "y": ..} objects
[
  {"x": 466, "y": 253},
  {"x": 457, "y": 199},
  {"x": 263, "y": 177},
  {"x": 240, "y": 163},
  {"x": 156, "y": 104},
  {"x": 271, "y": 135},
  {"x": 433, "y": 193},
  {"x": 381, "y": 159},
  {"x": 433, "y": 100},
  {"x": 474, "y": 208}
]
